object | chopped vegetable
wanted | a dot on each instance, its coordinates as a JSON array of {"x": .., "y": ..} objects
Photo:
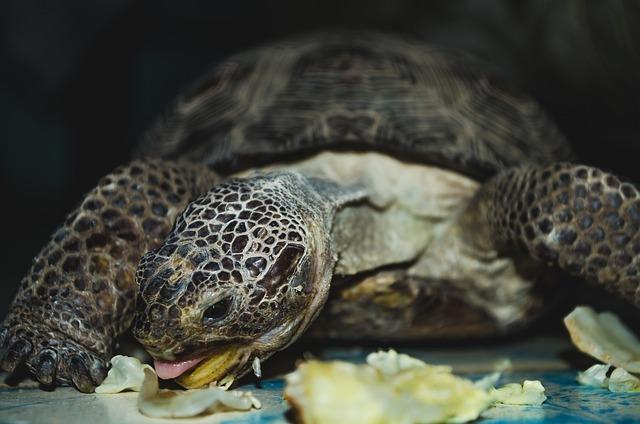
[
  {"x": 257, "y": 369},
  {"x": 621, "y": 381},
  {"x": 212, "y": 368},
  {"x": 595, "y": 376},
  {"x": 489, "y": 381},
  {"x": 130, "y": 373},
  {"x": 157, "y": 403},
  {"x": 391, "y": 362},
  {"x": 330, "y": 392},
  {"x": 391, "y": 388},
  {"x": 604, "y": 337},
  {"x": 126, "y": 373},
  {"x": 224, "y": 384},
  {"x": 529, "y": 393}
]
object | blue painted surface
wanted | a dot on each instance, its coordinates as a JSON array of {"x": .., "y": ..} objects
[{"x": 567, "y": 401}]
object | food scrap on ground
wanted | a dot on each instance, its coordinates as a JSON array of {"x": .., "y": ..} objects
[
  {"x": 528, "y": 393},
  {"x": 622, "y": 381},
  {"x": 393, "y": 387},
  {"x": 605, "y": 337},
  {"x": 126, "y": 373},
  {"x": 595, "y": 376},
  {"x": 129, "y": 373},
  {"x": 157, "y": 403},
  {"x": 490, "y": 380},
  {"x": 619, "y": 381}
]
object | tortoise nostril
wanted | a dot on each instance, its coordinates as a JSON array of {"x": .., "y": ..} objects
[{"x": 217, "y": 311}]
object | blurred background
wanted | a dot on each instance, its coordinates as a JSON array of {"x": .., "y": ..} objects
[{"x": 81, "y": 80}]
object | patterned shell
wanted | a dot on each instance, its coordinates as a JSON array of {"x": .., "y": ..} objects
[{"x": 359, "y": 91}]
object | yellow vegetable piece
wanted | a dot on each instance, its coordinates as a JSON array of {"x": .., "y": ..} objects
[
  {"x": 212, "y": 369},
  {"x": 393, "y": 388}
]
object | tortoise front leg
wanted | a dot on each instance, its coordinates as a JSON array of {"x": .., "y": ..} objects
[
  {"x": 580, "y": 218},
  {"x": 79, "y": 294}
]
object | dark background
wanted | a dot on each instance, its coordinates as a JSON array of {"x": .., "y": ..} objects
[{"x": 80, "y": 80}]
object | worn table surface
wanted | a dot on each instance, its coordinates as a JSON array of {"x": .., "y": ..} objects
[{"x": 537, "y": 358}]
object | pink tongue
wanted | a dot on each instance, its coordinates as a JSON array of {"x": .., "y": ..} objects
[{"x": 167, "y": 370}]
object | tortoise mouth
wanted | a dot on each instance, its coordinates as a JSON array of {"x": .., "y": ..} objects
[
  {"x": 227, "y": 362},
  {"x": 230, "y": 360},
  {"x": 198, "y": 366},
  {"x": 172, "y": 369},
  {"x": 213, "y": 365}
]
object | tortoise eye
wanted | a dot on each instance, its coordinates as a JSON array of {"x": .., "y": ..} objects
[{"x": 217, "y": 311}]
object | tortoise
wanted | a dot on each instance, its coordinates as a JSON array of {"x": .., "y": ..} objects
[{"x": 388, "y": 188}]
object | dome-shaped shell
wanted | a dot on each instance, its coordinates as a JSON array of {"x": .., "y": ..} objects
[{"x": 359, "y": 91}]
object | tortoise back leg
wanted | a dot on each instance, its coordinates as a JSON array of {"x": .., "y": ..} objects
[
  {"x": 79, "y": 294},
  {"x": 577, "y": 217}
]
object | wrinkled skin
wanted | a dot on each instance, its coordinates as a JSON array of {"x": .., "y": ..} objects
[{"x": 78, "y": 296}]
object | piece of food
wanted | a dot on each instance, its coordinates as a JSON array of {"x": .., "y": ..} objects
[
  {"x": 595, "y": 376},
  {"x": 157, "y": 403},
  {"x": 212, "y": 368},
  {"x": 621, "y": 381},
  {"x": 330, "y": 392},
  {"x": 489, "y": 381},
  {"x": 605, "y": 337},
  {"x": 257, "y": 368},
  {"x": 392, "y": 388},
  {"x": 531, "y": 392},
  {"x": 129, "y": 373},
  {"x": 126, "y": 373},
  {"x": 391, "y": 363}
]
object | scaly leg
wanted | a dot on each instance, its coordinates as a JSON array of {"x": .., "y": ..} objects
[
  {"x": 79, "y": 294},
  {"x": 577, "y": 217}
]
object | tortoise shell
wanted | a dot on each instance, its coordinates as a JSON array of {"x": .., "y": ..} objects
[{"x": 355, "y": 91}]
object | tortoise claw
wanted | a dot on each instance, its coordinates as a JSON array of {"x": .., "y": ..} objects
[
  {"x": 45, "y": 364},
  {"x": 98, "y": 371},
  {"x": 52, "y": 358},
  {"x": 16, "y": 354},
  {"x": 80, "y": 374}
]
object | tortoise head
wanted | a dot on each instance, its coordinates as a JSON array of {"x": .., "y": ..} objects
[{"x": 243, "y": 273}]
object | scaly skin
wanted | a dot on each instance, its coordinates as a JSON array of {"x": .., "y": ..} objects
[
  {"x": 247, "y": 265},
  {"x": 577, "y": 217},
  {"x": 79, "y": 294}
]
